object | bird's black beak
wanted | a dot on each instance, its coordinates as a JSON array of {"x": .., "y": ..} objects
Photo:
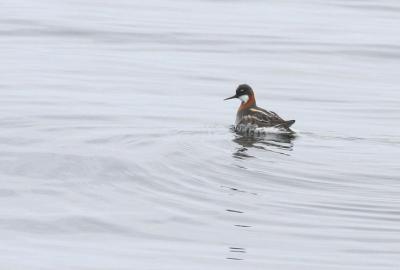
[{"x": 234, "y": 96}]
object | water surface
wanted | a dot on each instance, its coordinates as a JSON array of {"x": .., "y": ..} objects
[{"x": 116, "y": 150}]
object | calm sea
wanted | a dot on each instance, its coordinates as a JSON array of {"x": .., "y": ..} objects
[{"x": 116, "y": 150}]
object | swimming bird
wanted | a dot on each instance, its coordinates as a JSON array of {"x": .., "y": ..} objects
[{"x": 249, "y": 116}]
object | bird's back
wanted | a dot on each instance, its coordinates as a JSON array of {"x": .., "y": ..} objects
[{"x": 259, "y": 117}]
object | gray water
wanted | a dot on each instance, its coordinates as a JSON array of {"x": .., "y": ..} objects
[{"x": 116, "y": 150}]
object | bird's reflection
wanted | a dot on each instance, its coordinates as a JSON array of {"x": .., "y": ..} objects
[{"x": 273, "y": 142}]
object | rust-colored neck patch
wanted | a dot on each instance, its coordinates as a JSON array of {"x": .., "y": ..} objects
[{"x": 248, "y": 104}]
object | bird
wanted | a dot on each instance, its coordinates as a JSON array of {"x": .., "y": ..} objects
[{"x": 250, "y": 117}]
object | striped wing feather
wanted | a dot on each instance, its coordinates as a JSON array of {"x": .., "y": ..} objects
[{"x": 262, "y": 118}]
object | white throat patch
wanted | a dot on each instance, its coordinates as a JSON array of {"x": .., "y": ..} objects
[{"x": 244, "y": 98}]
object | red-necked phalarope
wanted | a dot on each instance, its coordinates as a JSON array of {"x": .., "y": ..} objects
[{"x": 249, "y": 116}]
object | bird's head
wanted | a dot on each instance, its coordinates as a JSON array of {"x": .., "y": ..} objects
[{"x": 244, "y": 93}]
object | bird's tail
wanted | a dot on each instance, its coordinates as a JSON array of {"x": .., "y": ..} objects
[{"x": 286, "y": 124}]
